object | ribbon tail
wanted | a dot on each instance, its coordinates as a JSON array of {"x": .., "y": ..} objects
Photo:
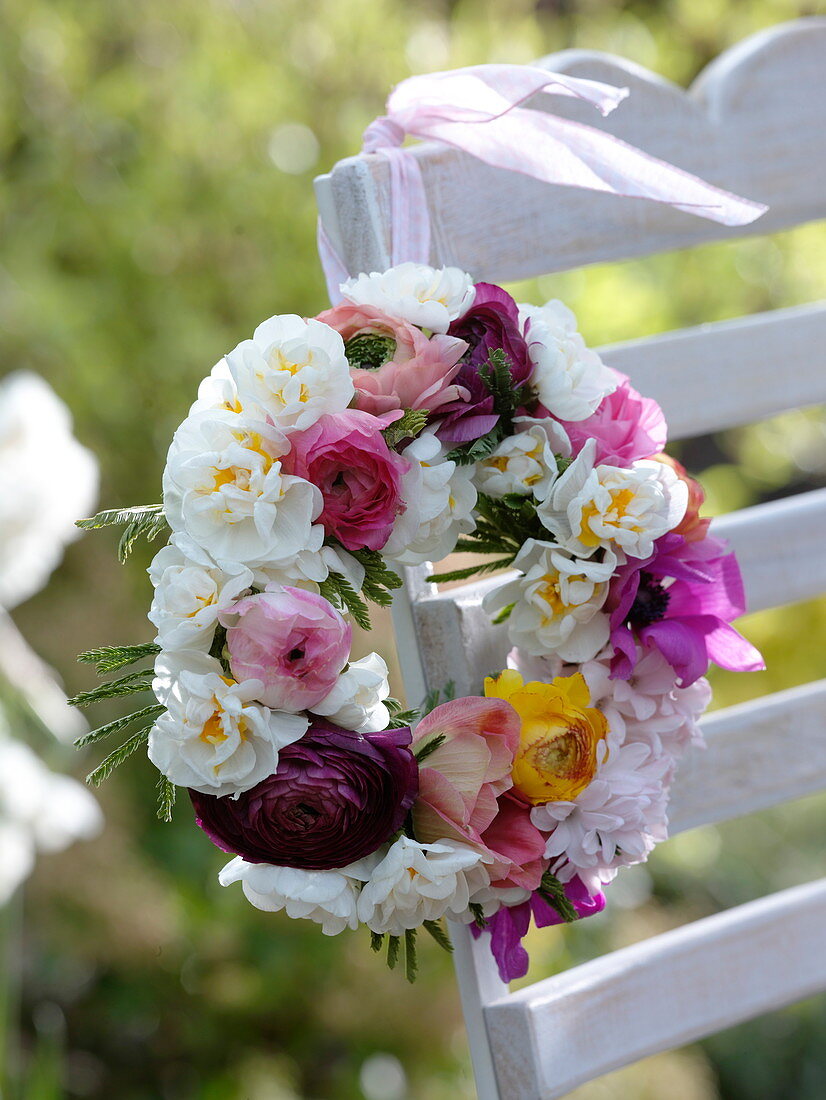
[
  {"x": 409, "y": 220},
  {"x": 479, "y": 93},
  {"x": 557, "y": 150},
  {"x": 335, "y": 273}
]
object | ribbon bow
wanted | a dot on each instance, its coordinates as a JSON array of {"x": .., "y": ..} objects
[{"x": 479, "y": 110}]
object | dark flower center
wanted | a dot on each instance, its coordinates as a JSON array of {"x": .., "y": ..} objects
[
  {"x": 650, "y": 604},
  {"x": 303, "y": 816},
  {"x": 369, "y": 351},
  {"x": 296, "y": 654}
]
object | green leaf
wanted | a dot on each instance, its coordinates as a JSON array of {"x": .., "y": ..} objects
[
  {"x": 479, "y": 918},
  {"x": 402, "y": 719},
  {"x": 130, "y": 684},
  {"x": 409, "y": 424},
  {"x": 436, "y": 929},
  {"x": 153, "y": 711},
  {"x": 429, "y": 747},
  {"x": 376, "y": 941},
  {"x": 393, "y": 951},
  {"x": 167, "y": 792},
  {"x": 110, "y": 658},
  {"x": 503, "y": 615},
  {"x": 466, "y": 454},
  {"x": 338, "y": 590},
  {"x": 379, "y": 580},
  {"x": 552, "y": 890},
  {"x": 411, "y": 962},
  {"x": 145, "y": 519},
  {"x": 473, "y": 570},
  {"x": 116, "y": 758}
]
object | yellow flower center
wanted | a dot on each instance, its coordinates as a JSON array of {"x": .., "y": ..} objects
[{"x": 620, "y": 501}]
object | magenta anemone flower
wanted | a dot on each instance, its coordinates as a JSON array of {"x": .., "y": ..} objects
[{"x": 681, "y": 601}]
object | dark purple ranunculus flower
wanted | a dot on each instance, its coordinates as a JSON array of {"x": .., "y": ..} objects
[
  {"x": 491, "y": 323},
  {"x": 335, "y": 797},
  {"x": 509, "y": 925}
]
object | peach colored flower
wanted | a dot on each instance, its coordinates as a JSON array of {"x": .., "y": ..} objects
[{"x": 408, "y": 369}]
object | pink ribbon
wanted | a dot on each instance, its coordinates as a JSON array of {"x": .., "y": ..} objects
[{"x": 478, "y": 110}]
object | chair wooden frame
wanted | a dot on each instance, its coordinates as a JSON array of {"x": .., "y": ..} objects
[{"x": 752, "y": 122}]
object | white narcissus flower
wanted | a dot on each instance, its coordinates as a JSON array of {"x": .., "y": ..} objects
[
  {"x": 425, "y": 296},
  {"x": 294, "y": 369},
  {"x": 557, "y": 602},
  {"x": 39, "y": 810},
  {"x": 357, "y": 700},
  {"x": 439, "y": 500},
  {"x": 308, "y": 568},
  {"x": 625, "y": 510},
  {"x": 570, "y": 379},
  {"x": 616, "y": 821},
  {"x": 524, "y": 463},
  {"x": 190, "y": 591},
  {"x": 417, "y": 882},
  {"x": 47, "y": 481},
  {"x": 224, "y": 487},
  {"x": 213, "y": 737},
  {"x": 327, "y": 897}
]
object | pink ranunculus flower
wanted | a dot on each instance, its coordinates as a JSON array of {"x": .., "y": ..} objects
[
  {"x": 626, "y": 426},
  {"x": 411, "y": 370},
  {"x": 293, "y": 641},
  {"x": 464, "y": 789},
  {"x": 345, "y": 455}
]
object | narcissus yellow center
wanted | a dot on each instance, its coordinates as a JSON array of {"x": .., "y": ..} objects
[
  {"x": 557, "y": 755},
  {"x": 621, "y": 500}
]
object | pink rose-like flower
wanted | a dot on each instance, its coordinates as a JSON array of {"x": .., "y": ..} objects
[
  {"x": 626, "y": 426},
  {"x": 464, "y": 785},
  {"x": 345, "y": 455},
  {"x": 407, "y": 370},
  {"x": 293, "y": 641}
]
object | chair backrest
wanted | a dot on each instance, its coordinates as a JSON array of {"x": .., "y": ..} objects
[{"x": 751, "y": 123}]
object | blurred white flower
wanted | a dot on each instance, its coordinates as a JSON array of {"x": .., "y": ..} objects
[
  {"x": 425, "y": 296},
  {"x": 39, "y": 811},
  {"x": 47, "y": 481},
  {"x": 327, "y": 897}
]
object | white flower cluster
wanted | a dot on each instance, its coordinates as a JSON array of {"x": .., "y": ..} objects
[
  {"x": 47, "y": 481},
  {"x": 39, "y": 811}
]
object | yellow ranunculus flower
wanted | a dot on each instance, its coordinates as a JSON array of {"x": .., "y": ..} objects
[{"x": 557, "y": 755}]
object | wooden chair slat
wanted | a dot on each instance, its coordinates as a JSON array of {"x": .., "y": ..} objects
[
  {"x": 659, "y": 994},
  {"x": 732, "y": 128},
  {"x": 731, "y": 373}
]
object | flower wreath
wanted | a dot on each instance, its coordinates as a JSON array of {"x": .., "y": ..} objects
[{"x": 425, "y": 414}]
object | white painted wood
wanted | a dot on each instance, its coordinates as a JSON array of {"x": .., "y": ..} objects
[
  {"x": 732, "y": 128},
  {"x": 759, "y": 754},
  {"x": 754, "y": 367},
  {"x": 479, "y": 985},
  {"x": 659, "y": 994},
  {"x": 779, "y": 546}
]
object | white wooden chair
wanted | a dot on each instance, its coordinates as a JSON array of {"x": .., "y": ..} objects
[{"x": 752, "y": 123}]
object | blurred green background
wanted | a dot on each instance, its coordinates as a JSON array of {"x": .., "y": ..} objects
[{"x": 156, "y": 204}]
